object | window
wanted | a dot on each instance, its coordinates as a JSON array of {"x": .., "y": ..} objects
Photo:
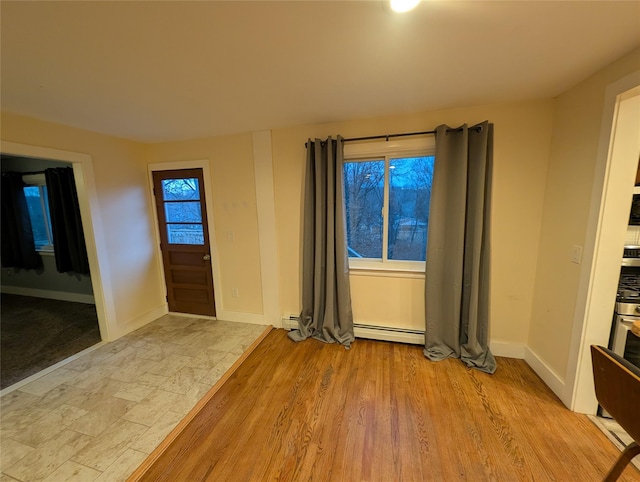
[
  {"x": 387, "y": 203},
  {"x": 35, "y": 191},
  {"x": 182, "y": 211}
]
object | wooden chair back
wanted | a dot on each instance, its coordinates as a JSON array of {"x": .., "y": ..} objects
[{"x": 617, "y": 384}]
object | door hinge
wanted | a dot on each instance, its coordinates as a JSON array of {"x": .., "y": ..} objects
[{"x": 166, "y": 297}]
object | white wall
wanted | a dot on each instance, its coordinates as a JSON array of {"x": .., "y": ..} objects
[
  {"x": 112, "y": 171},
  {"x": 522, "y": 142},
  {"x": 575, "y": 148}
]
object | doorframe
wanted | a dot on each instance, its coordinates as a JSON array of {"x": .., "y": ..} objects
[
  {"x": 91, "y": 224},
  {"x": 213, "y": 244},
  {"x": 595, "y": 292}
]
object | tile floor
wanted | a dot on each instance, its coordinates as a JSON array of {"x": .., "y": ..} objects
[
  {"x": 616, "y": 434},
  {"x": 99, "y": 416}
]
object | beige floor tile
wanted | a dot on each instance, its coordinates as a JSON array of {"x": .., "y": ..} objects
[
  {"x": 72, "y": 472},
  {"x": 227, "y": 343},
  {"x": 6, "y": 478},
  {"x": 89, "y": 400},
  {"x": 112, "y": 443},
  {"x": 19, "y": 420},
  {"x": 134, "y": 392},
  {"x": 116, "y": 346},
  {"x": 124, "y": 466},
  {"x": 151, "y": 380},
  {"x": 156, "y": 352},
  {"x": 152, "y": 408},
  {"x": 170, "y": 365},
  {"x": 126, "y": 356},
  {"x": 60, "y": 395},
  {"x": 12, "y": 451},
  {"x": 193, "y": 349},
  {"x": 155, "y": 434},
  {"x": 220, "y": 369},
  {"x": 84, "y": 421},
  {"x": 92, "y": 359},
  {"x": 187, "y": 401},
  {"x": 179, "y": 337},
  {"x": 51, "y": 424},
  {"x": 48, "y": 382},
  {"x": 132, "y": 370},
  {"x": 182, "y": 381},
  {"x": 92, "y": 378},
  {"x": 41, "y": 462},
  {"x": 102, "y": 416},
  {"x": 207, "y": 359},
  {"x": 16, "y": 400}
]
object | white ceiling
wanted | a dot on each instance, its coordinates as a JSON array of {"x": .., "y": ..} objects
[{"x": 152, "y": 71}]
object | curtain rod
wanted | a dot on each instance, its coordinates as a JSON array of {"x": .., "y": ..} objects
[
  {"x": 387, "y": 136},
  {"x": 405, "y": 134},
  {"x": 31, "y": 172}
]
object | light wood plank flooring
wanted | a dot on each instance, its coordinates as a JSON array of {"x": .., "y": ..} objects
[{"x": 382, "y": 412}]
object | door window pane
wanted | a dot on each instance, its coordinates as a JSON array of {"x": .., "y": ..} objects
[
  {"x": 186, "y": 189},
  {"x": 410, "y": 181},
  {"x": 185, "y": 234},
  {"x": 183, "y": 212},
  {"x": 38, "y": 207},
  {"x": 364, "y": 196}
]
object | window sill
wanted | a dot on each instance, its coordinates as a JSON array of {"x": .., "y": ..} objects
[
  {"x": 43, "y": 252},
  {"x": 380, "y": 272}
]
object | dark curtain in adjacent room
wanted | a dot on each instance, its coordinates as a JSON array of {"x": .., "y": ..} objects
[
  {"x": 66, "y": 224},
  {"x": 18, "y": 248}
]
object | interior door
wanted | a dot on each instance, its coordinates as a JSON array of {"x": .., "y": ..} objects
[{"x": 184, "y": 240}]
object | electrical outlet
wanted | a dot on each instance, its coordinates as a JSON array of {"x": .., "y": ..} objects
[{"x": 235, "y": 293}]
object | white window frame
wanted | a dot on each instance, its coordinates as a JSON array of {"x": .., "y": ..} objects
[
  {"x": 39, "y": 181},
  {"x": 388, "y": 149}
]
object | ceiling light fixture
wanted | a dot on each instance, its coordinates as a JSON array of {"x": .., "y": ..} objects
[{"x": 403, "y": 5}]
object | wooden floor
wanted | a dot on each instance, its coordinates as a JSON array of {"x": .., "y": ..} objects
[{"x": 381, "y": 411}]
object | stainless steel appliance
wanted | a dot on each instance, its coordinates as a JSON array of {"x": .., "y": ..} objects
[{"x": 627, "y": 311}]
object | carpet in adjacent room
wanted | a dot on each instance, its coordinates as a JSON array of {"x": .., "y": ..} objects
[{"x": 36, "y": 333}]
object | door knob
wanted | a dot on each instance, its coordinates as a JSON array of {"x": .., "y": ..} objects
[{"x": 206, "y": 257}]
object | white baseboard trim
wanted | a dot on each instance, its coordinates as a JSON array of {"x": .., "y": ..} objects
[
  {"x": 48, "y": 294},
  {"x": 498, "y": 348},
  {"x": 191, "y": 315},
  {"x": 388, "y": 334},
  {"x": 508, "y": 350},
  {"x": 140, "y": 321},
  {"x": 551, "y": 378},
  {"x": 371, "y": 332},
  {"x": 240, "y": 317}
]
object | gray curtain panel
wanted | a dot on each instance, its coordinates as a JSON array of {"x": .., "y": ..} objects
[
  {"x": 457, "y": 272},
  {"x": 326, "y": 295}
]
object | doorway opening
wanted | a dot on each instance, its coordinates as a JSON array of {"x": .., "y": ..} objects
[{"x": 48, "y": 310}]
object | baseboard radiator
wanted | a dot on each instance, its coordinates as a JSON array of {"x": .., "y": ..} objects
[{"x": 372, "y": 332}]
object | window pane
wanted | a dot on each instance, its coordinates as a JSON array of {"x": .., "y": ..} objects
[
  {"x": 36, "y": 215},
  {"x": 180, "y": 189},
  {"x": 364, "y": 195},
  {"x": 185, "y": 234},
  {"x": 410, "y": 180},
  {"x": 45, "y": 197},
  {"x": 183, "y": 212}
]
